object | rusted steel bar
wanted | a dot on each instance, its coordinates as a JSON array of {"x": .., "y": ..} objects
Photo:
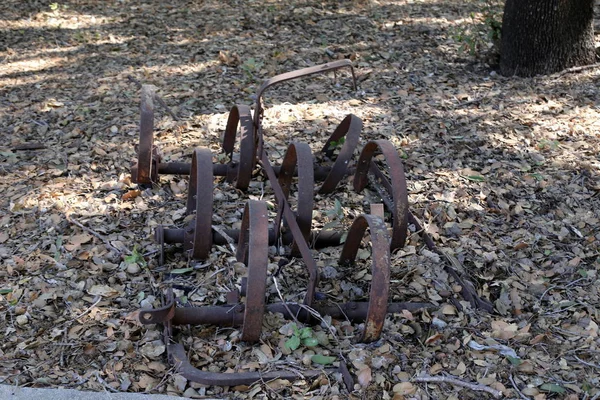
[
  {"x": 183, "y": 366},
  {"x": 317, "y": 69},
  {"x": 348, "y": 131},
  {"x": 144, "y": 168},
  {"x": 317, "y": 239},
  {"x": 232, "y": 315},
  {"x": 299, "y": 154},
  {"x": 380, "y": 269},
  {"x": 253, "y": 251},
  {"x": 231, "y": 170},
  {"x": 398, "y": 185},
  {"x": 198, "y": 236},
  {"x": 242, "y": 116}
]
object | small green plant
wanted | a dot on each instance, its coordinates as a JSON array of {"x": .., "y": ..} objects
[
  {"x": 304, "y": 336},
  {"x": 136, "y": 258},
  {"x": 545, "y": 144},
  {"x": 334, "y": 144},
  {"x": 250, "y": 66},
  {"x": 485, "y": 28},
  {"x": 56, "y": 6}
]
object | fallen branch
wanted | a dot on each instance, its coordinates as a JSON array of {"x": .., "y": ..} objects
[
  {"x": 457, "y": 382},
  {"x": 156, "y": 97},
  {"x": 29, "y": 146},
  {"x": 573, "y": 70},
  {"x": 99, "y": 236},
  {"x": 228, "y": 238},
  {"x": 514, "y": 384}
]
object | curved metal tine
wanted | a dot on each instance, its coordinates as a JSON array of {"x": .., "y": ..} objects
[
  {"x": 398, "y": 185},
  {"x": 311, "y": 265},
  {"x": 299, "y": 154},
  {"x": 144, "y": 168},
  {"x": 253, "y": 250},
  {"x": 159, "y": 236},
  {"x": 350, "y": 129},
  {"x": 179, "y": 359},
  {"x": 157, "y": 315},
  {"x": 200, "y": 199},
  {"x": 317, "y": 69},
  {"x": 241, "y": 114},
  {"x": 380, "y": 270}
]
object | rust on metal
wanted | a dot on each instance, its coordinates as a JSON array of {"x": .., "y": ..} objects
[
  {"x": 246, "y": 306},
  {"x": 181, "y": 362},
  {"x": 397, "y": 184},
  {"x": 304, "y": 250},
  {"x": 380, "y": 269},
  {"x": 198, "y": 234},
  {"x": 158, "y": 315},
  {"x": 242, "y": 116},
  {"x": 317, "y": 238},
  {"x": 253, "y": 250},
  {"x": 145, "y": 165},
  {"x": 349, "y": 131},
  {"x": 232, "y": 315},
  {"x": 317, "y": 69},
  {"x": 300, "y": 155}
]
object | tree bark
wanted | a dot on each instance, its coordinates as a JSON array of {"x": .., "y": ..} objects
[{"x": 546, "y": 36}]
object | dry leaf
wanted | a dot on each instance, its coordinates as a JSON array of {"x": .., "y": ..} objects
[
  {"x": 130, "y": 195},
  {"x": 404, "y": 388},
  {"x": 102, "y": 290},
  {"x": 364, "y": 377}
]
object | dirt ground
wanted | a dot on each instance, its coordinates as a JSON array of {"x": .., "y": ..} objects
[{"x": 503, "y": 171}]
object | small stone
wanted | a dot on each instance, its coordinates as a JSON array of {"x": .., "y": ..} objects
[
  {"x": 133, "y": 269},
  {"x": 22, "y": 320}
]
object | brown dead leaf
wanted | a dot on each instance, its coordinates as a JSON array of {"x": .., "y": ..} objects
[
  {"x": 433, "y": 338},
  {"x": 364, "y": 376},
  {"x": 102, "y": 290},
  {"x": 503, "y": 330},
  {"x": 130, "y": 195}
]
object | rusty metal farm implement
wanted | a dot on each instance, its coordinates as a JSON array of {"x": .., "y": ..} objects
[{"x": 291, "y": 226}]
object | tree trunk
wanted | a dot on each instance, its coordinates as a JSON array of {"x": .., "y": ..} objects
[{"x": 546, "y": 36}]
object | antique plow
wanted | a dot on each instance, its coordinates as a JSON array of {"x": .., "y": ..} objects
[{"x": 289, "y": 226}]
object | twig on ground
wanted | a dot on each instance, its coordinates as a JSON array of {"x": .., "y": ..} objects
[
  {"x": 457, "y": 382},
  {"x": 514, "y": 385},
  {"x": 99, "y": 236},
  {"x": 228, "y": 238},
  {"x": 589, "y": 364},
  {"x": 156, "y": 97},
  {"x": 87, "y": 310},
  {"x": 103, "y": 383},
  {"x": 573, "y": 70},
  {"x": 284, "y": 302}
]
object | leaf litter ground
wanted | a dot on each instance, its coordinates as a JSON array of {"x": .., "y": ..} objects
[{"x": 504, "y": 171}]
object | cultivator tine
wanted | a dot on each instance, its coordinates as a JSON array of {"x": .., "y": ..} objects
[
  {"x": 347, "y": 131},
  {"x": 188, "y": 371},
  {"x": 253, "y": 250},
  {"x": 242, "y": 116},
  {"x": 397, "y": 184},
  {"x": 380, "y": 270},
  {"x": 198, "y": 235},
  {"x": 145, "y": 172},
  {"x": 299, "y": 155},
  {"x": 288, "y": 214}
]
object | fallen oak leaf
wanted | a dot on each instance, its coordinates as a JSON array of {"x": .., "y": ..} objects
[
  {"x": 130, "y": 195},
  {"x": 102, "y": 290}
]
